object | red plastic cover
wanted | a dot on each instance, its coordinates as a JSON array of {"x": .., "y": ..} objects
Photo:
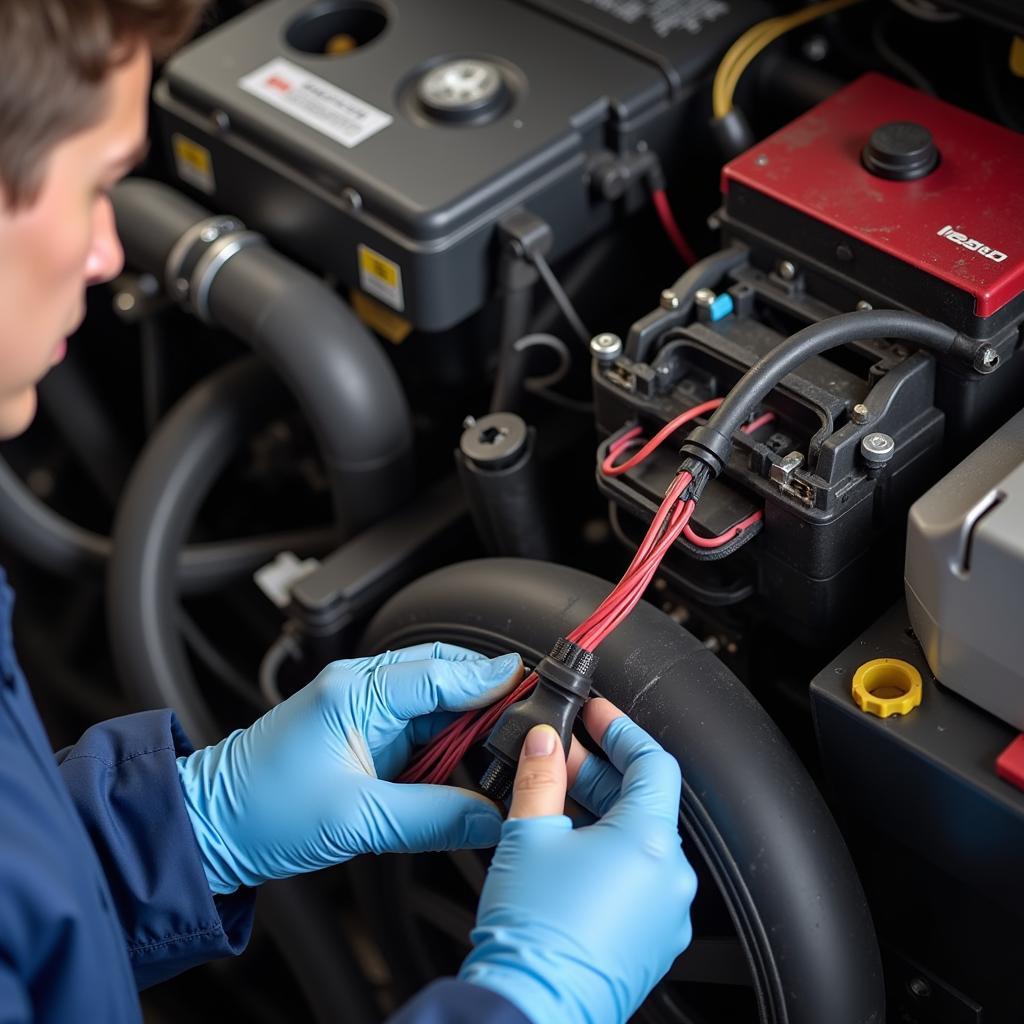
[
  {"x": 962, "y": 223},
  {"x": 1010, "y": 763}
]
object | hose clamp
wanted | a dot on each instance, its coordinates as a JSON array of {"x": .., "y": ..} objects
[{"x": 197, "y": 257}]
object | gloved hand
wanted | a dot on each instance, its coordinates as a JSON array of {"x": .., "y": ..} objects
[
  {"x": 306, "y": 785},
  {"x": 578, "y": 925}
]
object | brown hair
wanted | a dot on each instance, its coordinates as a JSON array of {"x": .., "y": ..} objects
[{"x": 54, "y": 59}]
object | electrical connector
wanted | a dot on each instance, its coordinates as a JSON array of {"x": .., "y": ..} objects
[{"x": 563, "y": 685}]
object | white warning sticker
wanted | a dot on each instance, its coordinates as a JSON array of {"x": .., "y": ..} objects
[{"x": 312, "y": 100}]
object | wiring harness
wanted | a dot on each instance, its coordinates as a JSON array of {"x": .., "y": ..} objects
[{"x": 564, "y": 675}]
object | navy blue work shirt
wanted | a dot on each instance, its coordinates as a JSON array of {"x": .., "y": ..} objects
[{"x": 102, "y": 891}]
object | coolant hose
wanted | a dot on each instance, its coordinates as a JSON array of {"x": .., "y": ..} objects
[
  {"x": 749, "y": 810},
  {"x": 167, "y": 486},
  {"x": 341, "y": 379},
  {"x": 55, "y": 544}
]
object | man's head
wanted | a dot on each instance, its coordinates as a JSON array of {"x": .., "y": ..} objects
[{"x": 73, "y": 107}]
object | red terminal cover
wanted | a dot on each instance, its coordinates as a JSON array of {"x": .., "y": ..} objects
[
  {"x": 962, "y": 223},
  {"x": 1010, "y": 763}
]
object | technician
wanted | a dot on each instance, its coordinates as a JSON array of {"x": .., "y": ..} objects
[{"x": 129, "y": 857}]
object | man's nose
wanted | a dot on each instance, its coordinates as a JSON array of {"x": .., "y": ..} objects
[{"x": 106, "y": 257}]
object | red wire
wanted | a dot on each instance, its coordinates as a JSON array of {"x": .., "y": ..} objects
[
  {"x": 668, "y": 222},
  {"x": 438, "y": 760}
]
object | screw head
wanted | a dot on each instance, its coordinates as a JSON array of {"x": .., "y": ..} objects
[
  {"x": 859, "y": 414},
  {"x": 606, "y": 348},
  {"x": 210, "y": 234},
  {"x": 351, "y": 199},
  {"x": 987, "y": 359},
  {"x": 221, "y": 121},
  {"x": 124, "y": 302},
  {"x": 877, "y": 448},
  {"x": 669, "y": 299},
  {"x": 787, "y": 270},
  {"x": 761, "y": 161},
  {"x": 704, "y": 298},
  {"x": 864, "y": 305}
]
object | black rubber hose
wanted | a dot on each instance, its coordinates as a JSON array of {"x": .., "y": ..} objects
[
  {"x": 335, "y": 368},
  {"x": 712, "y": 443},
  {"x": 165, "y": 490},
  {"x": 55, "y": 544},
  {"x": 749, "y": 808}
]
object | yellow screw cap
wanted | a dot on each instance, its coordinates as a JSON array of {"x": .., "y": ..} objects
[{"x": 887, "y": 686}]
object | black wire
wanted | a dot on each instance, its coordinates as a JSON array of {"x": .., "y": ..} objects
[
  {"x": 713, "y": 441},
  {"x": 897, "y": 61},
  {"x": 219, "y": 666},
  {"x": 560, "y": 297}
]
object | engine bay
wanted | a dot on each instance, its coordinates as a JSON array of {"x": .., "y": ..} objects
[{"x": 425, "y": 309}]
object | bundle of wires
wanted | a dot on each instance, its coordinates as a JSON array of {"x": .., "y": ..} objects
[
  {"x": 438, "y": 760},
  {"x": 744, "y": 51}
]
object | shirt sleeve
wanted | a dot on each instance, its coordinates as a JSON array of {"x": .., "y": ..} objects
[
  {"x": 450, "y": 1001},
  {"x": 123, "y": 779}
]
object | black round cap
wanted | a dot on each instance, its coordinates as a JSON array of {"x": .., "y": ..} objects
[
  {"x": 901, "y": 151},
  {"x": 495, "y": 441}
]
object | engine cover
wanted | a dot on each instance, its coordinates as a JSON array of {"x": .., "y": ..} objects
[{"x": 383, "y": 144}]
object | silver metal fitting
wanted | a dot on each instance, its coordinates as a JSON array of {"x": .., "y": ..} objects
[
  {"x": 606, "y": 348},
  {"x": 704, "y": 298},
  {"x": 863, "y": 305},
  {"x": 781, "y": 472},
  {"x": 877, "y": 448},
  {"x": 669, "y": 299},
  {"x": 786, "y": 270},
  {"x": 859, "y": 414}
]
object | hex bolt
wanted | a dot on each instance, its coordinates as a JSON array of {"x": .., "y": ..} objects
[
  {"x": 859, "y": 414},
  {"x": 787, "y": 270},
  {"x": 606, "y": 348},
  {"x": 669, "y": 299},
  {"x": 704, "y": 298},
  {"x": 877, "y": 448}
]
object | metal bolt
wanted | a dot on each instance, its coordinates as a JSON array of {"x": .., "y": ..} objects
[
  {"x": 761, "y": 161},
  {"x": 181, "y": 287},
  {"x": 606, "y": 348},
  {"x": 351, "y": 199},
  {"x": 787, "y": 270},
  {"x": 669, "y": 299},
  {"x": 864, "y": 305},
  {"x": 859, "y": 414},
  {"x": 221, "y": 121},
  {"x": 210, "y": 234},
  {"x": 469, "y": 421},
  {"x": 704, "y": 298},
  {"x": 124, "y": 302},
  {"x": 782, "y": 471},
  {"x": 919, "y": 988},
  {"x": 987, "y": 359},
  {"x": 877, "y": 448}
]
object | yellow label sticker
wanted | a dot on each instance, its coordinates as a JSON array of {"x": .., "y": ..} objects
[
  {"x": 1017, "y": 56},
  {"x": 381, "y": 277},
  {"x": 194, "y": 163}
]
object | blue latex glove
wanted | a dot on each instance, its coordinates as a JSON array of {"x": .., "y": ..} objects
[
  {"x": 576, "y": 926},
  {"x": 306, "y": 785}
]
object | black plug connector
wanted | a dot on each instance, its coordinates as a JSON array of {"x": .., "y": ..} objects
[{"x": 563, "y": 684}]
